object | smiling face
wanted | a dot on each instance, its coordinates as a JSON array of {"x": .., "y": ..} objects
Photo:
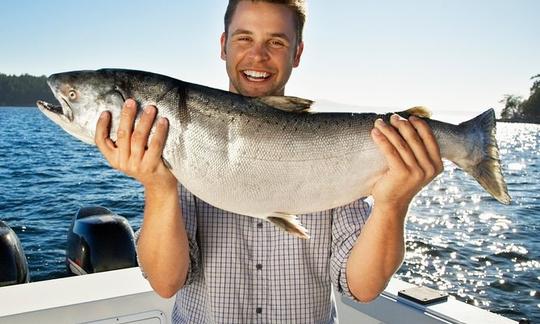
[{"x": 260, "y": 49}]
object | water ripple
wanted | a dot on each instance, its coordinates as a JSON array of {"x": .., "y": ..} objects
[{"x": 461, "y": 240}]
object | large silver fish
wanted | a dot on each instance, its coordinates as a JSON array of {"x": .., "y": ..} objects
[{"x": 266, "y": 157}]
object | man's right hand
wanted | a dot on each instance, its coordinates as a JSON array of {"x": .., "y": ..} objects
[
  {"x": 162, "y": 248},
  {"x": 132, "y": 154}
]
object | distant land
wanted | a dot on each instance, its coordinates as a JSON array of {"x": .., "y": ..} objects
[
  {"x": 520, "y": 110},
  {"x": 24, "y": 90}
]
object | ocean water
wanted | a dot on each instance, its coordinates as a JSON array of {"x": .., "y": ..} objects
[{"x": 459, "y": 239}]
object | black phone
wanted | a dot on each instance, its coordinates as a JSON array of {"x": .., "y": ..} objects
[{"x": 423, "y": 295}]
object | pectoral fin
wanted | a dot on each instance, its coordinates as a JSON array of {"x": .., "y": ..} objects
[{"x": 289, "y": 223}]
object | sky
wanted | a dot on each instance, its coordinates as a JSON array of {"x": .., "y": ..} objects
[{"x": 459, "y": 56}]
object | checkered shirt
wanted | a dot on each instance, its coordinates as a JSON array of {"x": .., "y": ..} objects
[{"x": 246, "y": 270}]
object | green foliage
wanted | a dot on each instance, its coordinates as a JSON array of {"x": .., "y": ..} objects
[
  {"x": 23, "y": 90},
  {"x": 511, "y": 106},
  {"x": 528, "y": 110}
]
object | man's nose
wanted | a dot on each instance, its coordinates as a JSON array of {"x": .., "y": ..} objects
[{"x": 259, "y": 52}]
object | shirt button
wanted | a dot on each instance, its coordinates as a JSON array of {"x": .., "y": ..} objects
[
  {"x": 259, "y": 266},
  {"x": 259, "y": 225},
  {"x": 259, "y": 310}
]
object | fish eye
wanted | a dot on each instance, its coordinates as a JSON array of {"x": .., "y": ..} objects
[{"x": 72, "y": 94}]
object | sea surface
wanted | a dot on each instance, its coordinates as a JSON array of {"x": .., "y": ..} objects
[{"x": 459, "y": 239}]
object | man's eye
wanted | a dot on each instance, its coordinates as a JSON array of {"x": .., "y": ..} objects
[{"x": 277, "y": 43}]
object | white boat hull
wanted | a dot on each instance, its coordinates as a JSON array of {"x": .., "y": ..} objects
[{"x": 124, "y": 296}]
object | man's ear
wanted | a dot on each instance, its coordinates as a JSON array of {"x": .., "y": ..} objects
[
  {"x": 298, "y": 54},
  {"x": 223, "y": 41}
]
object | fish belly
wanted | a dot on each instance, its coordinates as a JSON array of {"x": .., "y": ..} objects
[{"x": 246, "y": 176}]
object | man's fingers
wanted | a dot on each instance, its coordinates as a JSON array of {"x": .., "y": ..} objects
[
  {"x": 392, "y": 156},
  {"x": 123, "y": 137},
  {"x": 430, "y": 142},
  {"x": 415, "y": 144},
  {"x": 397, "y": 141},
  {"x": 103, "y": 142},
  {"x": 156, "y": 145},
  {"x": 139, "y": 138}
]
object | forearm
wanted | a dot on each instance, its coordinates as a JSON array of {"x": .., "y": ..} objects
[
  {"x": 413, "y": 159},
  {"x": 163, "y": 245},
  {"x": 377, "y": 253}
]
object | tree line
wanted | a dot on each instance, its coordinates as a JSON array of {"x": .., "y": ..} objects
[
  {"x": 518, "y": 109},
  {"x": 24, "y": 90}
]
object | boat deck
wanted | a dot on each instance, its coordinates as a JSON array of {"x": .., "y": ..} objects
[{"x": 124, "y": 296}]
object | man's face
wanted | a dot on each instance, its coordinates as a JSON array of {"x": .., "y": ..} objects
[{"x": 260, "y": 49}]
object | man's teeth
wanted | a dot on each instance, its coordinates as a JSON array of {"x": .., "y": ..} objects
[{"x": 256, "y": 74}]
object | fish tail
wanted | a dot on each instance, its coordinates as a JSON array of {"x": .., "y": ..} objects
[
  {"x": 289, "y": 223},
  {"x": 487, "y": 170}
]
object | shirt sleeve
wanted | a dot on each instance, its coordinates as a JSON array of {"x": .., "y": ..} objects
[
  {"x": 189, "y": 212},
  {"x": 347, "y": 224}
]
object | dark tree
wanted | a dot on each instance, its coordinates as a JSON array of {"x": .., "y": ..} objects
[
  {"x": 23, "y": 90},
  {"x": 528, "y": 110}
]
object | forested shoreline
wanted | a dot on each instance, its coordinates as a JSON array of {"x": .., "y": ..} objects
[
  {"x": 520, "y": 110},
  {"x": 24, "y": 90}
]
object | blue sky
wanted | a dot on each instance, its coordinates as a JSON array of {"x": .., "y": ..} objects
[{"x": 455, "y": 55}]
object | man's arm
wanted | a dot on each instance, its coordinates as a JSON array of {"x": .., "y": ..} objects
[
  {"x": 413, "y": 158},
  {"x": 163, "y": 248}
]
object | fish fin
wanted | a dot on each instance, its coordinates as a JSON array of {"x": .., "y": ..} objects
[
  {"x": 289, "y": 223},
  {"x": 419, "y": 111},
  {"x": 488, "y": 171},
  {"x": 289, "y": 104}
]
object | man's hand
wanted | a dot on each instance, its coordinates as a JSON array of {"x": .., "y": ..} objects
[
  {"x": 162, "y": 248},
  {"x": 132, "y": 154},
  {"x": 413, "y": 158}
]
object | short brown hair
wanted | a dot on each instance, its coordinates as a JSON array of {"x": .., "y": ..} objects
[{"x": 297, "y": 6}]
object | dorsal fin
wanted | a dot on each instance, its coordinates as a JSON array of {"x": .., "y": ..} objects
[
  {"x": 419, "y": 111},
  {"x": 289, "y": 104}
]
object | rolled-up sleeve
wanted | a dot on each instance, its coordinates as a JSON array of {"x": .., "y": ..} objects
[
  {"x": 347, "y": 224},
  {"x": 189, "y": 212}
]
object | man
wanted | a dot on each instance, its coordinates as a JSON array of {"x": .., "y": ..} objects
[{"x": 229, "y": 268}]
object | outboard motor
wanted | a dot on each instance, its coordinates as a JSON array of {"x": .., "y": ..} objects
[
  {"x": 99, "y": 240},
  {"x": 13, "y": 264}
]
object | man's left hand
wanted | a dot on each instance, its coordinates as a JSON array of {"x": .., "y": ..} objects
[{"x": 413, "y": 159}]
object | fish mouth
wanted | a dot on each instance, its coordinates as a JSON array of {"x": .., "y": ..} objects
[
  {"x": 57, "y": 109},
  {"x": 62, "y": 115},
  {"x": 62, "y": 111}
]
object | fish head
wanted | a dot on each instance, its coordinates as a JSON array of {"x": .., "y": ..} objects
[{"x": 82, "y": 97}]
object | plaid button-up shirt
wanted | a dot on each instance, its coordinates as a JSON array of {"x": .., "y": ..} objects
[{"x": 246, "y": 270}]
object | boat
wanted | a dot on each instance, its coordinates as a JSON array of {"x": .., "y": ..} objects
[
  {"x": 124, "y": 296},
  {"x": 13, "y": 263},
  {"x": 119, "y": 293}
]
